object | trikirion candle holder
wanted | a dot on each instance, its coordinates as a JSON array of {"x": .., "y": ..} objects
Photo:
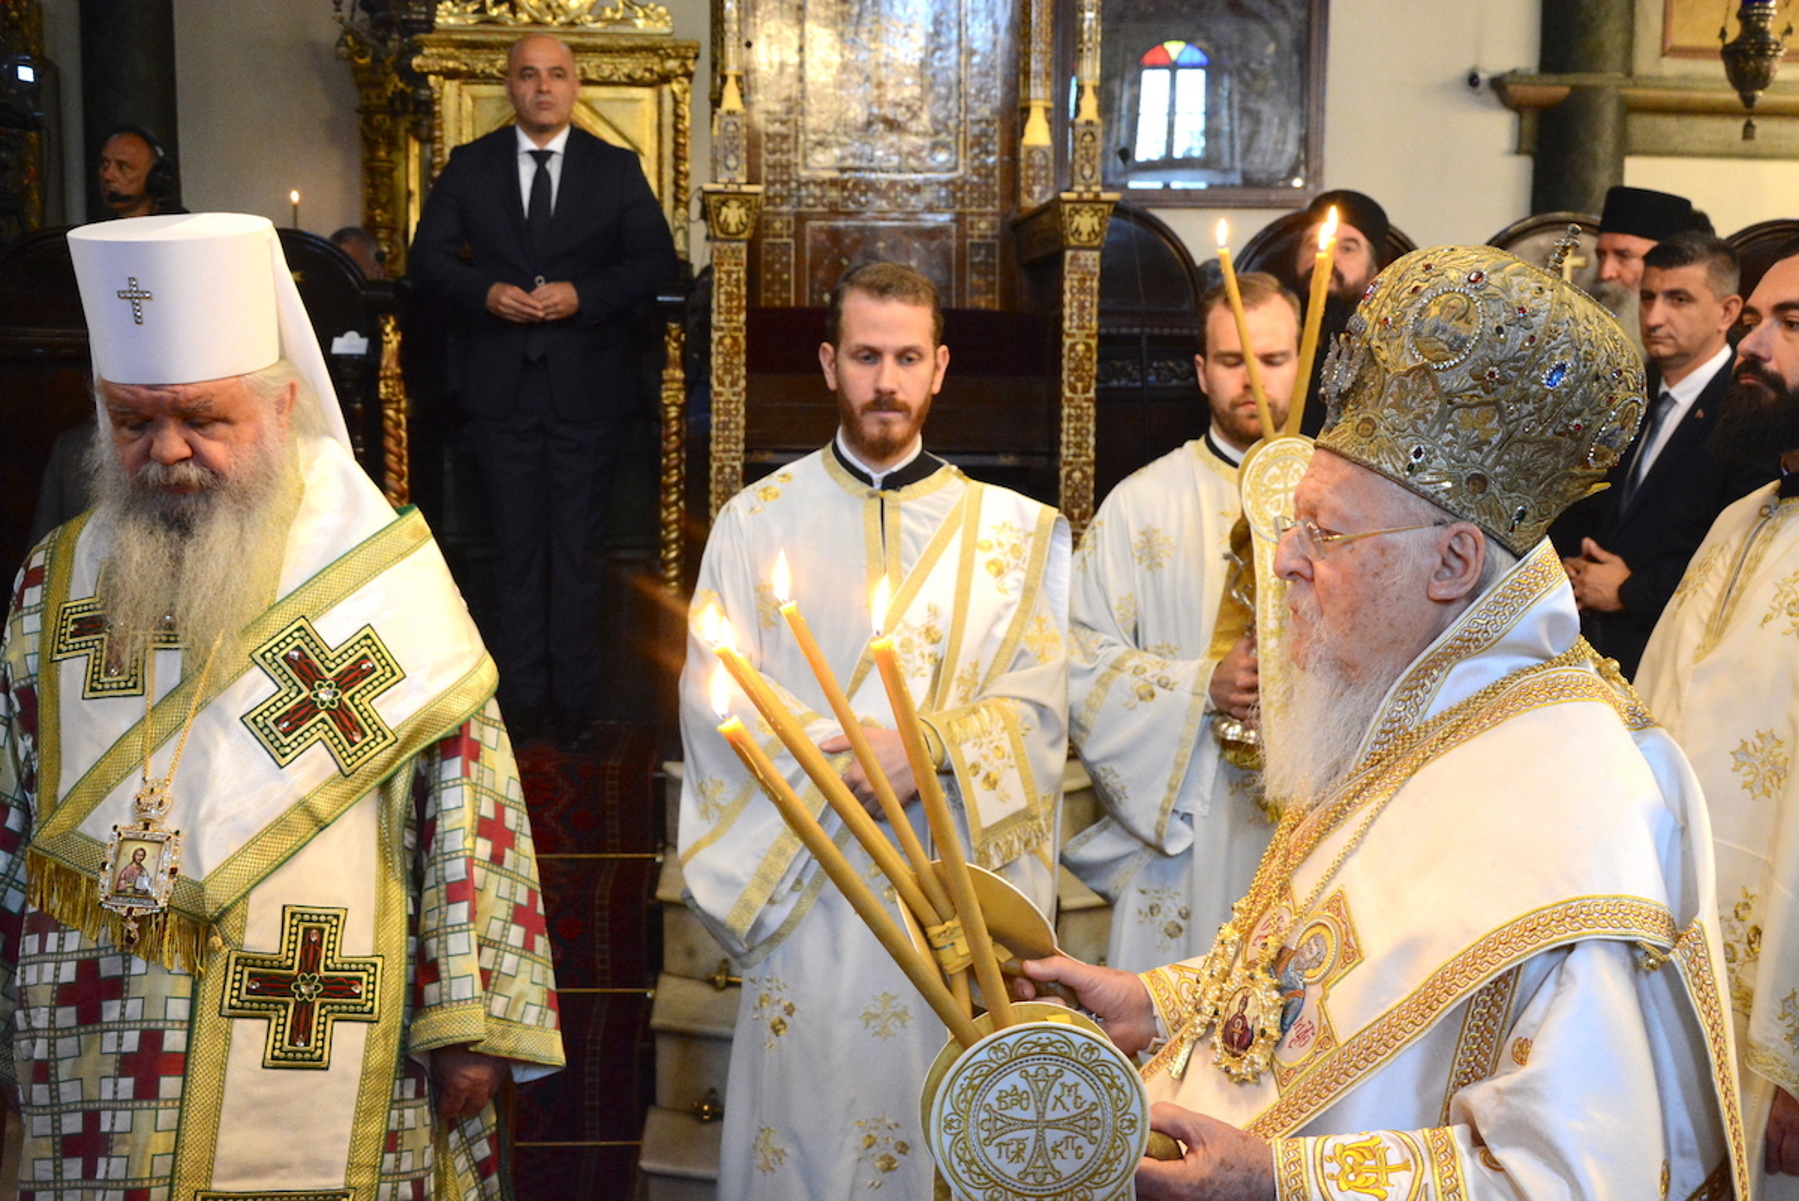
[{"x": 996, "y": 1104}]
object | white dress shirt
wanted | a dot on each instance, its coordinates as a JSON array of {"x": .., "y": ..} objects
[{"x": 1684, "y": 393}]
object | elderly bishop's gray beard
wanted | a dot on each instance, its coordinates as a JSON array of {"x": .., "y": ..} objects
[
  {"x": 1324, "y": 713},
  {"x": 211, "y": 559}
]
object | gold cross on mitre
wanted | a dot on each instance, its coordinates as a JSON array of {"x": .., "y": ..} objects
[{"x": 136, "y": 295}]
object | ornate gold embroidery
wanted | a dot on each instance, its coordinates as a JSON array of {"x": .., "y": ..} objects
[
  {"x": 1504, "y": 948},
  {"x": 768, "y": 1154},
  {"x": 81, "y": 629},
  {"x": 1521, "y": 1051},
  {"x": 1006, "y": 551},
  {"x": 1445, "y": 1165},
  {"x": 1290, "y": 1170},
  {"x": 1043, "y": 639},
  {"x": 1483, "y": 1034},
  {"x": 1365, "y": 1164},
  {"x": 712, "y": 799},
  {"x": 773, "y": 1008},
  {"x": 768, "y": 606},
  {"x": 1698, "y": 574},
  {"x": 886, "y": 1017},
  {"x": 769, "y": 491},
  {"x": 1762, "y": 764},
  {"x": 1693, "y": 957},
  {"x": 880, "y": 1150},
  {"x": 1742, "y": 950},
  {"x": 324, "y": 694},
  {"x": 303, "y": 989},
  {"x": 1153, "y": 549},
  {"x": 1490, "y": 1160},
  {"x": 1785, "y": 604},
  {"x": 1162, "y": 910}
]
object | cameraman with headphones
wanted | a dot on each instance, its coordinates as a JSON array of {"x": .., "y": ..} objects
[{"x": 137, "y": 176}]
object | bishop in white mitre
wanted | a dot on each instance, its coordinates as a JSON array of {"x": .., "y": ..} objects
[
  {"x": 832, "y": 1043},
  {"x": 1184, "y": 826},
  {"x": 1722, "y": 673}
]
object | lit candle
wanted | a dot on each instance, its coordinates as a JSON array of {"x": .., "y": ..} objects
[
  {"x": 1322, "y": 266},
  {"x": 294, "y": 198},
  {"x": 836, "y": 793},
  {"x": 1253, "y": 364},
  {"x": 943, "y": 826},
  {"x": 921, "y": 971},
  {"x": 781, "y": 579}
]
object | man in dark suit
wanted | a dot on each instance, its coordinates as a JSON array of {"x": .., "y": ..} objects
[
  {"x": 1626, "y": 548},
  {"x": 564, "y": 239}
]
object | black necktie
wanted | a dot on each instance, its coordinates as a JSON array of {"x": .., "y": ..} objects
[
  {"x": 1664, "y": 404},
  {"x": 537, "y": 212}
]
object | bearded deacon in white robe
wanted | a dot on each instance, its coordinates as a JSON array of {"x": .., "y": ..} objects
[
  {"x": 270, "y": 923},
  {"x": 1184, "y": 827},
  {"x": 1480, "y": 958},
  {"x": 1719, "y": 671},
  {"x": 832, "y": 1043}
]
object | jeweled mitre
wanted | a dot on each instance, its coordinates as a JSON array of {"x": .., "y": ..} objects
[{"x": 1498, "y": 391}]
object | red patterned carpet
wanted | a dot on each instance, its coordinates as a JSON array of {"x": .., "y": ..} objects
[{"x": 596, "y": 819}]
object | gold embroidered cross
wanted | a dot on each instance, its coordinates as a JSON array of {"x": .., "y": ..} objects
[
  {"x": 303, "y": 988},
  {"x": 136, "y": 296},
  {"x": 81, "y": 629},
  {"x": 327, "y": 695}
]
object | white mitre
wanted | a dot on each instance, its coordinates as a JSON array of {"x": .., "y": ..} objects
[{"x": 192, "y": 297}]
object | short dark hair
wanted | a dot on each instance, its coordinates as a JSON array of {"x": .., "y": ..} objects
[
  {"x": 1257, "y": 287},
  {"x": 884, "y": 281},
  {"x": 1690, "y": 249}
]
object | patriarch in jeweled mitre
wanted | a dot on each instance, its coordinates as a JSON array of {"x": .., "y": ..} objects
[{"x": 1486, "y": 385}]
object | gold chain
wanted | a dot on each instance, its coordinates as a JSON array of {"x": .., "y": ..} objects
[{"x": 153, "y": 790}]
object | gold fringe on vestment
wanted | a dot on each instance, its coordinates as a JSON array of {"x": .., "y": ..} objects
[{"x": 175, "y": 940}]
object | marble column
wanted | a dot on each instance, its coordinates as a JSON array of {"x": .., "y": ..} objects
[
  {"x": 1581, "y": 142},
  {"x": 127, "y": 78}
]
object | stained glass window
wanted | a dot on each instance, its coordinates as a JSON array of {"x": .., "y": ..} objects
[{"x": 1171, "y": 103}]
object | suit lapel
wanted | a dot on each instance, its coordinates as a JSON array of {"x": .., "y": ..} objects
[
  {"x": 1685, "y": 440},
  {"x": 577, "y": 159},
  {"x": 505, "y": 180}
]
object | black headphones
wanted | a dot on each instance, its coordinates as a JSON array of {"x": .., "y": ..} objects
[{"x": 159, "y": 184}]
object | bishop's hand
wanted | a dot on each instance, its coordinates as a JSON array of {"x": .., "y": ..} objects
[
  {"x": 465, "y": 1080},
  {"x": 1222, "y": 1162},
  {"x": 1781, "y": 1156},
  {"x": 1118, "y": 999}
]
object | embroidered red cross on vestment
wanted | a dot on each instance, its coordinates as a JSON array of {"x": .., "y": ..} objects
[
  {"x": 326, "y": 695},
  {"x": 303, "y": 989}
]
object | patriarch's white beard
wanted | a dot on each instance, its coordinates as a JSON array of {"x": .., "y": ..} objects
[
  {"x": 1324, "y": 714},
  {"x": 210, "y": 559}
]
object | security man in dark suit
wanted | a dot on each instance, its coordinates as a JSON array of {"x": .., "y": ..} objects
[
  {"x": 564, "y": 239},
  {"x": 1626, "y": 548}
]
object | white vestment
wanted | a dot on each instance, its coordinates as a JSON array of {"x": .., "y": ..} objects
[
  {"x": 832, "y": 1042},
  {"x": 1182, "y": 832},
  {"x": 1722, "y": 672},
  {"x": 1496, "y": 959}
]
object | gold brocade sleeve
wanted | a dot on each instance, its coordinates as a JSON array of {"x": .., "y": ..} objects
[{"x": 483, "y": 968}]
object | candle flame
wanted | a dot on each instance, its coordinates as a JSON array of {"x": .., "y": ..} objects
[
  {"x": 1224, "y": 232},
  {"x": 719, "y": 691},
  {"x": 781, "y": 579},
  {"x": 1328, "y": 230},
  {"x": 714, "y": 628},
  {"x": 877, "y": 605},
  {"x": 294, "y": 196}
]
